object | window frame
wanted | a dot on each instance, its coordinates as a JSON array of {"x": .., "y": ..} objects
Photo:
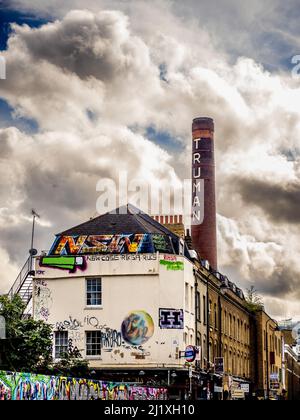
[
  {"x": 58, "y": 356},
  {"x": 91, "y": 306},
  {"x": 93, "y": 344}
]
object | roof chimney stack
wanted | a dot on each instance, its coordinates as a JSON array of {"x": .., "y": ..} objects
[{"x": 204, "y": 231}]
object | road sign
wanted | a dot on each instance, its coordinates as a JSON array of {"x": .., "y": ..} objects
[
  {"x": 219, "y": 365},
  {"x": 245, "y": 388},
  {"x": 274, "y": 377},
  {"x": 190, "y": 354},
  {"x": 199, "y": 353},
  {"x": 238, "y": 394}
]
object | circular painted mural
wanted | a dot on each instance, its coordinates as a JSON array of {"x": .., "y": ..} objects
[{"x": 137, "y": 328}]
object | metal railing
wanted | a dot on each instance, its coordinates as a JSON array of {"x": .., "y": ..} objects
[
  {"x": 27, "y": 294},
  {"x": 16, "y": 287}
]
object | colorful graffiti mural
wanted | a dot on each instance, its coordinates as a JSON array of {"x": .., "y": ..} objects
[
  {"x": 111, "y": 244},
  {"x": 172, "y": 265},
  {"x": 23, "y": 386},
  {"x": 64, "y": 263},
  {"x": 137, "y": 328}
]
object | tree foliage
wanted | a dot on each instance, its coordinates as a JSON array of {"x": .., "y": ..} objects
[
  {"x": 254, "y": 301},
  {"x": 71, "y": 364},
  {"x": 28, "y": 346},
  {"x": 29, "y": 342}
]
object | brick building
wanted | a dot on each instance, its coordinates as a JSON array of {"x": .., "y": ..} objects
[
  {"x": 269, "y": 356},
  {"x": 292, "y": 373},
  {"x": 230, "y": 331}
]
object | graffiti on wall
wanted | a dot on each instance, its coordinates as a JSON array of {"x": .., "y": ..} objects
[
  {"x": 73, "y": 324},
  {"x": 111, "y": 244},
  {"x": 172, "y": 265},
  {"x": 137, "y": 328},
  {"x": 69, "y": 263},
  {"x": 23, "y": 386},
  {"x": 109, "y": 338},
  {"x": 124, "y": 257},
  {"x": 171, "y": 319},
  {"x": 43, "y": 300}
]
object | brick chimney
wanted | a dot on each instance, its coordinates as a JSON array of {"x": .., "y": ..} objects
[{"x": 204, "y": 232}]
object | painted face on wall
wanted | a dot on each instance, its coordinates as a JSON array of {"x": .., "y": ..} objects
[{"x": 137, "y": 328}]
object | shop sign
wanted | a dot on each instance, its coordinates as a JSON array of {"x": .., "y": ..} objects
[
  {"x": 238, "y": 394},
  {"x": 219, "y": 365},
  {"x": 245, "y": 388}
]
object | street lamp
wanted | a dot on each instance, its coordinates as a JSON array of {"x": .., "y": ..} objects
[{"x": 32, "y": 251}]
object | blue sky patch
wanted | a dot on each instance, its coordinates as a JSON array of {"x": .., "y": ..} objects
[
  {"x": 8, "y": 16},
  {"x": 165, "y": 140},
  {"x": 8, "y": 119}
]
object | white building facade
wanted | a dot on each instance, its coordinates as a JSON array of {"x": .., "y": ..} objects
[{"x": 119, "y": 310}]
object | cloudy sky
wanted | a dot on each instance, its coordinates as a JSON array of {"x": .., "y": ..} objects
[{"x": 95, "y": 86}]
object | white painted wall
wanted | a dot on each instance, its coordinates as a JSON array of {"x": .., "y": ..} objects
[{"x": 129, "y": 283}]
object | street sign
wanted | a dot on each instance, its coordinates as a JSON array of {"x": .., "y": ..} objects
[
  {"x": 219, "y": 365},
  {"x": 199, "y": 353},
  {"x": 274, "y": 377},
  {"x": 190, "y": 354},
  {"x": 245, "y": 388},
  {"x": 238, "y": 394}
]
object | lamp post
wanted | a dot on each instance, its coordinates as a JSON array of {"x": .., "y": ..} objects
[{"x": 32, "y": 251}]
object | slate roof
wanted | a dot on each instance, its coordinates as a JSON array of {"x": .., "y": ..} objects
[{"x": 125, "y": 220}]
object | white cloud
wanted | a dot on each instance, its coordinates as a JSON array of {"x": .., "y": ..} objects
[
  {"x": 8, "y": 271},
  {"x": 91, "y": 80}
]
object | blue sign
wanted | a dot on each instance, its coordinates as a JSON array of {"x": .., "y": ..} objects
[{"x": 190, "y": 354}]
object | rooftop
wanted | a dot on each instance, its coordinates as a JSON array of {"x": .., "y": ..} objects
[
  {"x": 124, "y": 230},
  {"x": 124, "y": 220}
]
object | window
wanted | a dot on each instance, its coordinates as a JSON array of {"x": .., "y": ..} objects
[
  {"x": 209, "y": 312},
  {"x": 61, "y": 343},
  {"x": 187, "y": 297},
  {"x": 93, "y": 343},
  {"x": 204, "y": 310},
  {"x": 198, "y": 308},
  {"x": 234, "y": 329},
  {"x": 94, "y": 292},
  {"x": 192, "y": 301},
  {"x": 215, "y": 316}
]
